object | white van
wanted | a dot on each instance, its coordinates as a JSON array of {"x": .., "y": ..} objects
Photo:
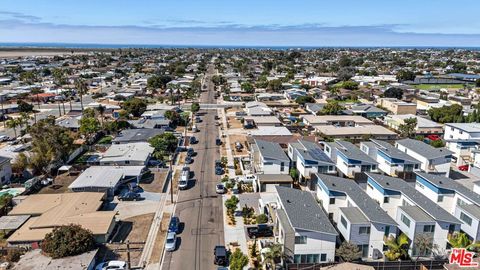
[{"x": 194, "y": 128}]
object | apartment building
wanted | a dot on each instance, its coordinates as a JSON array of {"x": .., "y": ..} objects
[{"x": 397, "y": 106}]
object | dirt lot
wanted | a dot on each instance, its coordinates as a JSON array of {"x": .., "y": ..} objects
[
  {"x": 160, "y": 239},
  {"x": 176, "y": 177},
  {"x": 238, "y": 138},
  {"x": 60, "y": 184},
  {"x": 157, "y": 182},
  {"x": 140, "y": 225},
  {"x": 234, "y": 123}
]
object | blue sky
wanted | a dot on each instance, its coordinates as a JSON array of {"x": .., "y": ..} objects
[{"x": 244, "y": 22}]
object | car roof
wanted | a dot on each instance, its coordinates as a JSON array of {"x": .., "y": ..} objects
[
  {"x": 116, "y": 263},
  {"x": 171, "y": 235}
]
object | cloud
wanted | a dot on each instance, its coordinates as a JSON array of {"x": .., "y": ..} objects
[
  {"x": 9, "y": 15},
  {"x": 194, "y": 32}
]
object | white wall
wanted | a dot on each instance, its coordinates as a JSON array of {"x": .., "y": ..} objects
[
  {"x": 317, "y": 243},
  {"x": 472, "y": 230}
]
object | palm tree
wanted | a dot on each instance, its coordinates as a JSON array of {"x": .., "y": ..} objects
[
  {"x": 397, "y": 248},
  {"x": 461, "y": 240},
  {"x": 13, "y": 123},
  {"x": 273, "y": 254},
  {"x": 24, "y": 118},
  {"x": 81, "y": 87},
  {"x": 101, "y": 110}
]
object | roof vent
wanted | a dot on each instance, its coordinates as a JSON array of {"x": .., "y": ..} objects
[
  {"x": 333, "y": 185},
  {"x": 440, "y": 182},
  {"x": 288, "y": 201},
  {"x": 387, "y": 183}
]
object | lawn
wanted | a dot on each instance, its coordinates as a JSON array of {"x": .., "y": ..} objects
[{"x": 438, "y": 86}]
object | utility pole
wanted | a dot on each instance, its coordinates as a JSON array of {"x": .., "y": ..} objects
[
  {"x": 128, "y": 254},
  {"x": 171, "y": 179}
]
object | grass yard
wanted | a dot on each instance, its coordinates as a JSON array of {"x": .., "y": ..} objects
[{"x": 438, "y": 86}]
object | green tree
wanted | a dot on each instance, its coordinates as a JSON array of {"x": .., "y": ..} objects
[
  {"x": 345, "y": 73},
  {"x": 135, "y": 106},
  {"x": 397, "y": 247},
  {"x": 447, "y": 114},
  {"x": 262, "y": 218},
  {"x": 231, "y": 204},
  {"x": 332, "y": 107},
  {"x": 81, "y": 88},
  {"x": 459, "y": 240},
  {"x": 423, "y": 244},
  {"x": 195, "y": 107},
  {"x": 13, "y": 124},
  {"x": 20, "y": 164},
  {"x": 393, "y": 92},
  {"x": 304, "y": 99},
  {"x": 274, "y": 85},
  {"x": 247, "y": 87},
  {"x": 437, "y": 143},
  {"x": 477, "y": 83},
  {"x": 405, "y": 75},
  {"x": 158, "y": 81},
  {"x": 164, "y": 144},
  {"x": 407, "y": 129},
  {"x": 29, "y": 77},
  {"x": 67, "y": 241},
  {"x": 294, "y": 173},
  {"x": 238, "y": 260},
  {"x": 348, "y": 252},
  {"x": 89, "y": 126},
  {"x": 350, "y": 85}
]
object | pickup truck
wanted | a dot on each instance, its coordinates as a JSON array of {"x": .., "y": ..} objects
[{"x": 261, "y": 230}]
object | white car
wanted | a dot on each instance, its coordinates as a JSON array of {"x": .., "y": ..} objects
[
  {"x": 220, "y": 188},
  {"x": 120, "y": 265},
  {"x": 182, "y": 184},
  {"x": 171, "y": 242}
]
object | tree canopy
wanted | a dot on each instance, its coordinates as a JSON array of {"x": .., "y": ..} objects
[
  {"x": 89, "y": 125},
  {"x": 407, "y": 129},
  {"x": 195, "y": 107},
  {"x": 135, "y": 106},
  {"x": 393, "y": 92},
  {"x": 332, "y": 107},
  {"x": 247, "y": 87},
  {"x": 67, "y": 241},
  {"x": 348, "y": 252},
  {"x": 304, "y": 99},
  {"x": 405, "y": 75},
  {"x": 447, "y": 114},
  {"x": 164, "y": 144},
  {"x": 158, "y": 81}
]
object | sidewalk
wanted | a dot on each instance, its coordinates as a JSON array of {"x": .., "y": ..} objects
[
  {"x": 234, "y": 233},
  {"x": 230, "y": 162}
]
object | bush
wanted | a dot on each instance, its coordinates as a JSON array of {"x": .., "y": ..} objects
[
  {"x": 262, "y": 218},
  {"x": 231, "y": 204},
  {"x": 238, "y": 260},
  {"x": 13, "y": 255},
  {"x": 68, "y": 240}
]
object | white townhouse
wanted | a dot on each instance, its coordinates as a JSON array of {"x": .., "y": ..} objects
[
  {"x": 433, "y": 160},
  {"x": 414, "y": 212},
  {"x": 303, "y": 228},
  {"x": 307, "y": 157},
  {"x": 463, "y": 139},
  {"x": 390, "y": 160},
  {"x": 269, "y": 158},
  {"x": 454, "y": 197},
  {"x": 348, "y": 158},
  {"x": 358, "y": 218}
]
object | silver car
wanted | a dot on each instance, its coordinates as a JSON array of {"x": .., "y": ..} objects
[{"x": 171, "y": 243}]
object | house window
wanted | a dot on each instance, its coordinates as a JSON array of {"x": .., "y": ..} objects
[
  {"x": 416, "y": 166},
  {"x": 332, "y": 200},
  {"x": 282, "y": 166},
  {"x": 364, "y": 250},
  {"x": 364, "y": 230},
  {"x": 387, "y": 230},
  {"x": 461, "y": 202},
  {"x": 307, "y": 258},
  {"x": 465, "y": 218},
  {"x": 127, "y": 161},
  {"x": 429, "y": 228},
  {"x": 323, "y": 257},
  {"x": 369, "y": 186},
  {"x": 300, "y": 239},
  {"x": 420, "y": 185},
  {"x": 386, "y": 199},
  {"x": 440, "y": 198},
  {"x": 405, "y": 220},
  {"x": 343, "y": 221}
]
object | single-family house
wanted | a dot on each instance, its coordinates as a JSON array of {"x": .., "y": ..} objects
[
  {"x": 358, "y": 218},
  {"x": 307, "y": 157},
  {"x": 463, "y": 139},
  {"x": 365, "y": 110},
  {"x": 303, "y": 228},
  {"x": 269, "y": 158},
  {"x": 129, "y": 154},
  {"x": 349, "y": 159},
  {"x": 414, "y": 213},
  {"x": 433, "y": 160},
  {"x": 390, "y": 160},
  {"x": 255, "y": 108},
  {"x": 423, "y": 127},
  {"x": 5, "y": 169}
]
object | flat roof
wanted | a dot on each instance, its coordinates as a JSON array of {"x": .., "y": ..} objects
[
  {"x": 98, "y": 176},
  {"x": 274, "y": 178},
  {"x": 324, "y": 119},
  {"x": 467, "y": 127},
  {"x": 358, "y": 130}
]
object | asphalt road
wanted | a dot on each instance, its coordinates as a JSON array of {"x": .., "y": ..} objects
[{"x": 199, "y": 207}]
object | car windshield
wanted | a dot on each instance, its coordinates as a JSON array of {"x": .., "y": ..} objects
[
  {"x": 170, "y": 240},
  {"x": 220, "y": 186}
]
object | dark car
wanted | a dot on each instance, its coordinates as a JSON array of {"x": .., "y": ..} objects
[
  {"x": 261, "y": 230},
  {"x": 220, "y": 253},
  {"x": 219, "y": 170},
  {"x": 217, "y": 117},
  {"x": 190, "y": 152},
  {"x": 218, "y": 141},
  {"x": 174, "y": 224},
  {"x": 188, "y": 160},
  {"x": 193, "y": 140},
  {"x": 130, "y": 196}
]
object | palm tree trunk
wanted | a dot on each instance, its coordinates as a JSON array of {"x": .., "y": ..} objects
[
  {"x": 81, "y": 100},
  {"x": 59, "y": 109}
]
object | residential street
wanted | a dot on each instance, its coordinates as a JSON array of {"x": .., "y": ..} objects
[{"x": 199, "y": 207}]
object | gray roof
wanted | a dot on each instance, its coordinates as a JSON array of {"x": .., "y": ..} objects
[
  {"x": 274, "y": 178},
  {"x": 427, "y": 205},
  {"x": 303, "y": 211},
  {"x": 392, "y": 151},
  {"x": 354, "y": 215},
  {"x": 353, "y": 152},
  {"x": 365, "y": 108},
  {"x": 312, "y": 152},
  {"x": 424, "y": 149},
  {"x": 315, "y": 107},
  {"x": 417, "y": 214},
  {"x": 367, "y": 205},
  {"x": 467, "y": 127},
  {"x": 284, "y": 220},
  {"x": 99, "y": 177},
  {"x": 447, "y": 183},
  {"x": 137, "y": 135},
  {"x": 12, "y": 222},
  {"x": 472, "y": 209},
  {"x": 149, "y": 123},
  {"x": 270, "y": 150}
]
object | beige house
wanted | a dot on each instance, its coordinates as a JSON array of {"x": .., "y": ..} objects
[
  {"x": 48, "y": 211},
  {"x": 424, "y": 126},
  {"x": 397, "y": 106}
]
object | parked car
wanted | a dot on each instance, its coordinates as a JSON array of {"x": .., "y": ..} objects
[
  {"x": 190, "y": 151},
  {"x": 194, "y": 128},
  {"x": 174, "y": 224},
  {"x": 171, "y": 243},
  {"x": 220, "y": 188},
  {"x": 182, "y": 184},
  {"x": 219, "y": 170},
  {"x": 261, "y": 230},
  {"x": 156, "y": 163},
  {"x": 193, "y": 140},
  {"x": 217, "y": 117},
  {"x": 188, "y": 160},
  {"x": 4, "y": 138},
  {"x": 130, "y": 196},
  {"x": 218, "y": 141},
  {"x": 220, "y": 253},
  {"x": 119, "y": 265}
]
